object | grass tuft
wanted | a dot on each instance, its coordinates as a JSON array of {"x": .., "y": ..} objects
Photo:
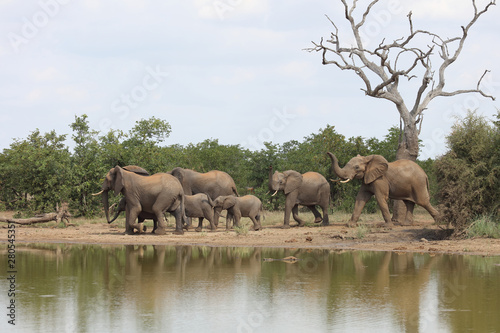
[{"x": 484, "y": 226}]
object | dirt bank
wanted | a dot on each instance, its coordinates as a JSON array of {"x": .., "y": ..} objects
[{"x": 421, "y": 237}]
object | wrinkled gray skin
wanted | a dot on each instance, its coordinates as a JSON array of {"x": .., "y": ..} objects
[
  {"x": 213, "y": 183},
  {"x": 154, "y": 194},
  {"x": 400, "y": 180},
  {"x": 199, "y": 205},
  {"x": 308, "y": 189},
  {"x": 238, "y": 207},
  {"x": 121, "y": 207}
]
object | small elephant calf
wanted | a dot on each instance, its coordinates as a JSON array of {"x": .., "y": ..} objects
[
  {"x": 237, "y": 207},
  {"x": 201, "y": 206}
]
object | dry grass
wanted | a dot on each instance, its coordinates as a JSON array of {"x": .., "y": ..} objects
[{"x": 270, "y": 218}]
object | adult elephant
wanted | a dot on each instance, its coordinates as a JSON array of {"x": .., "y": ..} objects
[
  {"x": 400, "y": 180},
  {"x": 214, "y": 183},
  {"x": 198, "y": 205},
  {"x": 154, "y": 194},
  {"x": 308, "y": 189},
  {"x": 122, "y": 207}
]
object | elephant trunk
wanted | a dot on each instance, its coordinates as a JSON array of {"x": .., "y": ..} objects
[
  {"x": 105, "y": 203},
  {"x": 118, "y": 211},
  {"x": 270, "y": 183},
  {"x": 336, "y": 168}
]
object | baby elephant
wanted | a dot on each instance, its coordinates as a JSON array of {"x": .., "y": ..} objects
[
  {"x": 201, "y": 206},
  {"x": 237, "y": 207}
]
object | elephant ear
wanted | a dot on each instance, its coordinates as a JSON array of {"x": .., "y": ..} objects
[
  {"x": 376, "y": 167},
  {"x": 136, "y": 169},
  {"x": 229, "y": 202},
  {"x": 180, "y": 175},
  {"x": 293, "y": 180},
  {"x": 118, "y": 180}
]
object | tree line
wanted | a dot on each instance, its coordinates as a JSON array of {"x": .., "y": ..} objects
[{"x": 41, "y": 171}]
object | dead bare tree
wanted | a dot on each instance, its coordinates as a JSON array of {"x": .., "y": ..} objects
[
  {"x": 382, "y": 68},
  {"x": 385, "y": 62}
]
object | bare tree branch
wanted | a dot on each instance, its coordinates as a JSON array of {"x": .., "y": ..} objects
[{"x": 388, "y": 68}]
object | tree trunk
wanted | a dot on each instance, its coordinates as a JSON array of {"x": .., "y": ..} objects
[
  {"x": 61, "y": 215},
  {"x": 408, "y": 150}
]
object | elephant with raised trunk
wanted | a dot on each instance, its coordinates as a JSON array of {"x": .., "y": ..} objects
[
  {"x": 214, "y": 183},
  {"x": 308, "y": 189},
  {"x": 400, "y": 180},
  {"x": 238, "y": 207},
  {"x": 153, "y": 194}
]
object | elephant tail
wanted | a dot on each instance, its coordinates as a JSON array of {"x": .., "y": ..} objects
[
  {"x": 183, "y": 209},
  {"x": 235, "y": 191},
  {"x": 210, "y": 202}
]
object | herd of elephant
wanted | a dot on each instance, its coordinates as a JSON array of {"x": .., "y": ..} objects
[{"x": 189, "y": 194}]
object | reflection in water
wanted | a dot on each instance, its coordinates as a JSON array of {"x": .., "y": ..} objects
[{"x": 85, "y": 288}]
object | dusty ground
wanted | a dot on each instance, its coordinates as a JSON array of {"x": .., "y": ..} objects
[{"x": 423, "y": 236}]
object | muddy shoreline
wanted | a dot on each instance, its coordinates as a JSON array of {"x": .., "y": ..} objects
[{"x": 423, "y": 237}]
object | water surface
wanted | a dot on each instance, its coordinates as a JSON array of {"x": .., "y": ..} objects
[{"x": 88, "y": 288}]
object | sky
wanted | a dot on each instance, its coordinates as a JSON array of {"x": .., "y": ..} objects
[{"x": 232, "y": 70}]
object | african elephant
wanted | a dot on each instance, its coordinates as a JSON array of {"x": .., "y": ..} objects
[
  {"x": 401, "y": 180},
  {"x": 214, "y": 183},
  {"x": 238, "y": 207},
  {"x": 121, "y": 207},
  {"x": 152, "y": 194},
  {"x": 308, "y": 189},
  {"x": 199, "y": 205}
]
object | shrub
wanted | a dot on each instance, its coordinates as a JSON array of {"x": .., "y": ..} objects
[{"x": 468, "y": 175}]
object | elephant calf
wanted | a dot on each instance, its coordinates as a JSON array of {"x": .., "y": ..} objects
[
  {"x": 237, "y": 207},
  {"x": 201, "y": 206}
]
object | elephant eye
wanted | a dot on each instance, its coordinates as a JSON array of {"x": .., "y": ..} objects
[{"x": 356, "y": 167}]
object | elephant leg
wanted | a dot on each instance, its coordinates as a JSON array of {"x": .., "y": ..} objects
[
  {"x": 433, "y": 211},
  {"x": 132, "y": 214},
  {"x": 410, "y": 205},
  {"x": 229, "y": 217},
  {"x": 256, "y": 222},
  {"x": 155, "y": 225},
  {"x": 295, "y": 213},
  {"x": 178, "y": 214},
  {"x": 209, "y": 215},
  {"x": 200, "y": 224},
  {"x": 361, "y": 200},
  {"x": 317, "y": 215},
  {"x": 384, "y": 208},
  {"x": 189, "y": 223},
  {"x": 158, "y": 211},
  {"x": 290, "y": 200},
  {"x": 217, "y": 211},
  {"x": 326, "y": 221}
]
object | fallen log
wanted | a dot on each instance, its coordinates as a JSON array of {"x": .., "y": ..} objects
[{"x": 61, "y": 216}]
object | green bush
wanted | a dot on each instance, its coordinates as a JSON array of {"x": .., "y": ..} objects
[{"x": 468, "y": 175}]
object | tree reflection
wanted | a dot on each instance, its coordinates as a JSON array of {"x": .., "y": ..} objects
[{"x": 153, "y": 286}]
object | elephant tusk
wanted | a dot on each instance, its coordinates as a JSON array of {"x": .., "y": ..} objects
[
  {"x": 345, "y": 181},
  {"x": 274, "y": 193},
  {"x": 98, "y": 193}
]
